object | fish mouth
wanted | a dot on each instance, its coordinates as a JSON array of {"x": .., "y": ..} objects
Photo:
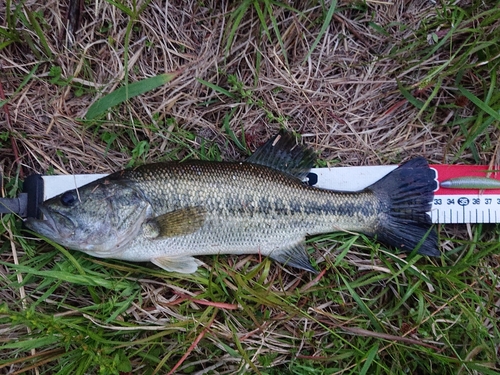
[{"x": 54, "y": 225}]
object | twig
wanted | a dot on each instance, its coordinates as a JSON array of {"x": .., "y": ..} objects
[{"x": 193, "y": 345}]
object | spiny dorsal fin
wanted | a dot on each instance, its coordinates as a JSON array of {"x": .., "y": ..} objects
[
  {"x": 295, "y": 256},
  {"x": 176, "y": 223},
  {"x": 284, "y": 154}
]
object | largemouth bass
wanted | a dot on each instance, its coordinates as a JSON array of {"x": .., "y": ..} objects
[{"x": 167, "y": 213}]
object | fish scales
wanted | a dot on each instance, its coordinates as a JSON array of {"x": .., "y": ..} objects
[
  {"x": 250, "y": 208},
  {"x": 167, "y": 213}
]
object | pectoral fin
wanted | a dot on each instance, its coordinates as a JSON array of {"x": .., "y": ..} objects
[
  {"x": 295, "y": 256},
  {"x": 181, "y": 264},
  {"x": 176, "y": 223}
]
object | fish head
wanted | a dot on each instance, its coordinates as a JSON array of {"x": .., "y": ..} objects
[{"x": 98, "y": 219}]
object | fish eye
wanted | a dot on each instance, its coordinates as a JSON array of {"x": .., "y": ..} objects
[{"x": 68, "y": 199}]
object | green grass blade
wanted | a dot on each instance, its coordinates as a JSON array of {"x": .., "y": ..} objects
[
  {"x": 408, "y": 96},
  {"x": 25, "y": 81},
  {"x": 6, "y": 44},
  {"x": 129, "y": 12},
  {"x": 444, "y": 39},
  {"x": 262, "y": 19},
  {"x": 240, "y": 144},
  {"x": 325, "y": 25},
  {"x": 126, "y": 92},
  {"x": 236, "y": 18},
  {"x": 478, "y": 102},
  {"x": 32, "y": 343},
  {"x": 92, "y": 280},
  {"x": 370, "y": 357},
  {"x": 217, "y": 88},
  {"x": 378, "y": 28},
  {"x": 363, "y": 306},
  {"x": 431, "y": 97},
  {"x": 276, "y": 30},
  {"x": 39, "y": 32}
]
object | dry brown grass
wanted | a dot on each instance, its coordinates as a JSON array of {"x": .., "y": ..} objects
[{"x": 344, "y": 99}]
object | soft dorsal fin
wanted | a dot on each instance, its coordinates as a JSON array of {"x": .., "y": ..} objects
[
  {"x": 284, "y": 154},
  {"x": 175, "y": 223}
]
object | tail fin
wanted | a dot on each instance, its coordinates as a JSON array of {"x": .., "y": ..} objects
[{"x": 407, "y": 193}]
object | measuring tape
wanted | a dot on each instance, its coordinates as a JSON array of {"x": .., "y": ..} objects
[
  {"x": 450, "y": 206},
  {"x": 459, "y": 206}
]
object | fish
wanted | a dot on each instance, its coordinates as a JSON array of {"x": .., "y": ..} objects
[{"x": 168, "y": 213}]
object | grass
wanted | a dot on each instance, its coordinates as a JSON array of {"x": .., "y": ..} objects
[{"x": 365, "y": 83}]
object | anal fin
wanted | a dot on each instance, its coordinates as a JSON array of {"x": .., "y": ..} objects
[
  {"x": 181, "y": 264},
  {"x": 295, "y": 256}
]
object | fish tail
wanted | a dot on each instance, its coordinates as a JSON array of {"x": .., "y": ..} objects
[{"x": 406, "y": 195}]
